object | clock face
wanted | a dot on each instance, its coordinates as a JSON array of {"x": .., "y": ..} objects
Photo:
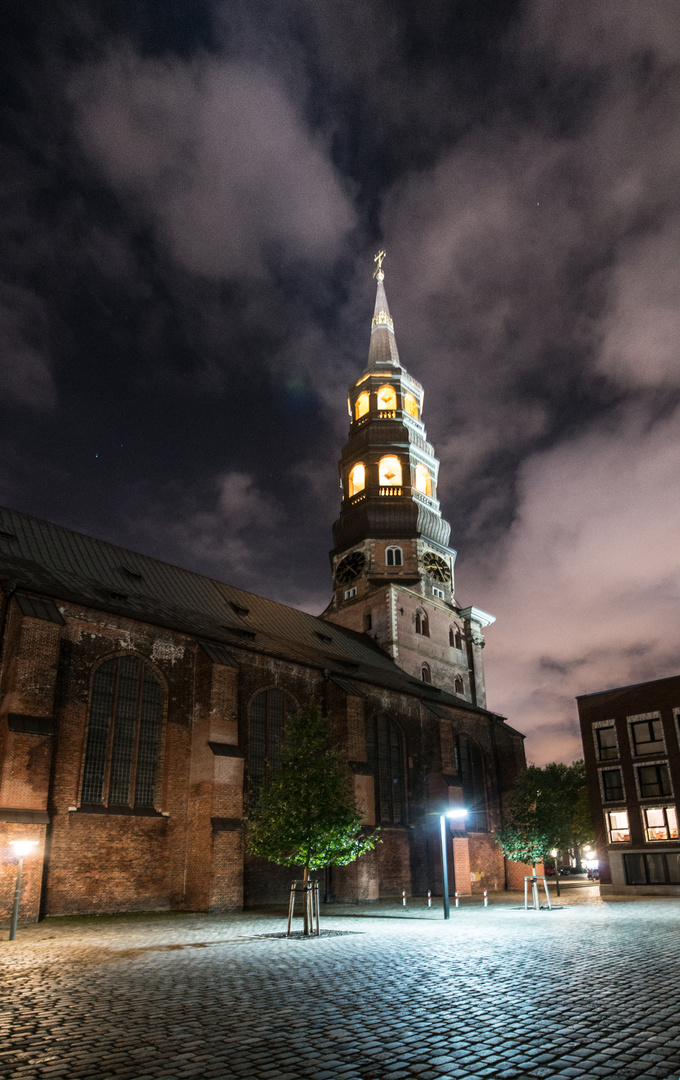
[
  {"x": 349, "y": 567},
  {"x": 436, "y": 567}
]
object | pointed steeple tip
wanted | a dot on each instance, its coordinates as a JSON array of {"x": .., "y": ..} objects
[{"x": 383, "y": 348}]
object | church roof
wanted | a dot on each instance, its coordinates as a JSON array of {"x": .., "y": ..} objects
[{"x": 52, "y": 561}]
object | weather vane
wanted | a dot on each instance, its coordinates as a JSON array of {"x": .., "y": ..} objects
[{"x": 379, "y": 273}]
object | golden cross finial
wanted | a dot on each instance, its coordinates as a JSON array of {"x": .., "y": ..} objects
[{"x": 379, "y": 273}]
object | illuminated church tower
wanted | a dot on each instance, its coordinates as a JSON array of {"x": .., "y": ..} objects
[{"x": 392, "y": 564}]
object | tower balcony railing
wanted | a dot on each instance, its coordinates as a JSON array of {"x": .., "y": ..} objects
[
  {"x": 387, "y": 414},
  {"x": 357, "y": 498},
  {"x": 391, "y": 491}
]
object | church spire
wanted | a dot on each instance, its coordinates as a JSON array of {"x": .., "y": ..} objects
[{"x": 383, "y": 347}]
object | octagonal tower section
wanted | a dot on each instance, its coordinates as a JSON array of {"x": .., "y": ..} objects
[{"x": 393, "y": 568}]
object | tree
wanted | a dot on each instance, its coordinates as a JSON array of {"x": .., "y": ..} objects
[
  {"x": 307, "y": 814},
  {"x": 546, "y": 809}
]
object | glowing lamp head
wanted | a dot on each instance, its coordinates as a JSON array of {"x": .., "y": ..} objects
[
  {"x": 456, "y": 812},
  {"x": 23, "y": 847},
  {"x": 554, "y": 853}
]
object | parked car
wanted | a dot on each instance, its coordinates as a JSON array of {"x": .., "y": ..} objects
[
  {"x": 565, "y": 871},
  {"x": 593, "y": 874}
]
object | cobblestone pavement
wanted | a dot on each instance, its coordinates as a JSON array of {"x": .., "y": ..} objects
[{"x": 587, "y": 990}]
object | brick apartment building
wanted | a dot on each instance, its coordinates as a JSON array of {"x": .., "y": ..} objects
[
  {"x": 631, "y": 746},
  {"x": 140, "y": 702}
]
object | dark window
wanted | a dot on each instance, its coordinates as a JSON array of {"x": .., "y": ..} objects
[
  {"x": 654, "y": 780},
  {"x": 422, "y": 624},
  {"x": 647, "y": 737},
  {"x": 267, "y": 722},
  {"x": 471, "y": 772},
  {"x": 393, "y": 556},
  {"x": 368, "y": 621},
  {"x": 386, "y": 760},
  {"x": 452, "y": 639},
  {"x": 613, "y": 785},
  {"x": 121, "y": 756},
  {"x": 606, "y": 743},
  {"x": 426, "y": 674},
  {"x": 458, "y": 685},
  {"x": 654, "y": 868}
]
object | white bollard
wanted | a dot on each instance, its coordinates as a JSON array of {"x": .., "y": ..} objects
[
  {"x": 456, "y": 896},
  {"x": 429, "y": 897},
  {"x": 486, "y": 898},
  {"x": 403, "y": 897}
]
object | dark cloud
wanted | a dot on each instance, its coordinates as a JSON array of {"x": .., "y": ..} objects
[{"x": 187, "y": 218}]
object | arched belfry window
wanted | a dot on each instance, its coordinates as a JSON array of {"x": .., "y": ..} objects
[
  {"x": 411, "y": 406},
  {"x": 470, "y": 767},
  {"x": 387, "y": 398},
  {"x": 425, "y": 673},
  {"x": 422, "y": 624},
  {"x": 362, "y": 405},
  {"x": 423, "y": 479},
  {"x": 389, "y": 472},
  {"x": 385, "y": 752},
  {"x": 267, "y": 718},
  {"x": 123, "y": 735},
  {"x": 357, "y": 479},
  {"x": 394, "y": 556}
]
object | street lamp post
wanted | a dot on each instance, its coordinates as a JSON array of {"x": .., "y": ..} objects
[
  {"x": 555, "y": 852},
  {"x": 454, "y": 812},
  {"x": 21, "y": 848}
]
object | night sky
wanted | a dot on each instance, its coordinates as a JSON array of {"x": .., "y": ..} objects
[{"x": 192, "y": 196}]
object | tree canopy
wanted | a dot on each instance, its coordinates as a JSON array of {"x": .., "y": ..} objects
[
  {"x": 307, "y": 814},
  {"x": 547, "y": 808}
]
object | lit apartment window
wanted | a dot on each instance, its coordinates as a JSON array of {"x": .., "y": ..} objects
[
  {"x": 661, "y": 822},
  {"x": 612, "y": 785},
  {"x": 647, "y": 737},
  {"x": 607, "y": 746},
  {"x": 617, "y": 821},
  {"x": 654, "y": 780}
]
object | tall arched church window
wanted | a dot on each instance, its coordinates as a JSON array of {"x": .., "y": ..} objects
[
  {"x": 123, "y": 735},
  {"x": 394, "y": 556},
  {"x": 471, "y": 771},
  {"x": 357, "y": 479},
  {"x": 411, "y": 406},
  {"x": 267, "y": 718},
  {"x": 387, "y": 398},
  {"x": 389, "y": 472},
  {"x": 458, "y": 685},
  {"x": 426, "y": 674},
  {"x": 385, "y": 752},
  {"x": 423, "y": 479},
  {"x": 458, "y": 640},
  {"x": 422, "y": 624},
  {"x": 452, "y": 638},
  {"x": 362, "y": 405}
]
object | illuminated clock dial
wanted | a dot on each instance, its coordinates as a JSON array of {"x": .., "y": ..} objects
[
  {"x": 436, "y": 567},
  {"x": 349, "y": 567}
]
